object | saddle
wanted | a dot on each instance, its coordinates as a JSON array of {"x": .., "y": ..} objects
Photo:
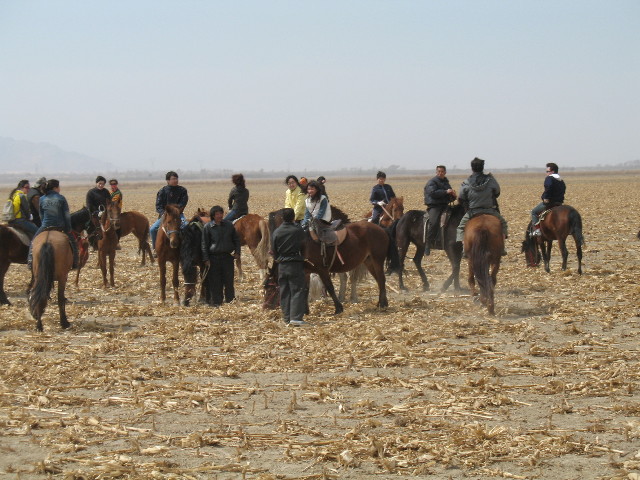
[
  {"x": 440, "y": 227},
  {"x": 330, "y": 234},
  {"x": 21, "y": 234},
  {"x": 549, "y": 207}
]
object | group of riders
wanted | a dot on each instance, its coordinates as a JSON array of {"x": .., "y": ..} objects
[{"x": 41, "y": 206}]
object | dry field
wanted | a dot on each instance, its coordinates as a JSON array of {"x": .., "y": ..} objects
[{"x": 431, "y": 387}]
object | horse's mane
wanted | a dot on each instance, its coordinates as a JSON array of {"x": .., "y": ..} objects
[
  {"x": 172, "y": 210},
  {"x": 337, "y": 214}
]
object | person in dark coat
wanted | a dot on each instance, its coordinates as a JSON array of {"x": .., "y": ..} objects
[
  {"x": 554, "y": 189},
  {"x": 437, "y": 196},
  {"x": 381, "y": 195},
  {"x": 220, "y": 246},
  {"x": 287, "y": 246},
  {"x": 238, "y": 199},
  {"x": 98, "y": 196},
  {"x": 173, "y": 194},
  {"x": 33, "y": 196}
]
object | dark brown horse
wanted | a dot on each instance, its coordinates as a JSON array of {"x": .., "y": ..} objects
[
  {"x": 391, "y": 212},
  {"x": 253, "y": 231},
  {"x": 484, "y": 242},
  {"x": 411, "y": 229},
  {"x": 168, "y": 250},
  {"x": 364, "y": 243},
  {"x": 191, "y": 260},
  {"x": 556, "y": 223},
  {"x": 136, "y": 223},
  {"x": 52, "y": 260},
  {"x": 109, "y": 222}
]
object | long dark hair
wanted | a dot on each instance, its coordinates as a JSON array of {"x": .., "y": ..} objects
[
  {"x": 51, "y": 184},
  {"x": 316, "y": 185},
  {"x": 20, "y": 186},
  {"x": 238, "y": 180}
]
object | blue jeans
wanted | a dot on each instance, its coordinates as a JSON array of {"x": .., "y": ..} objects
[
  {"x": 535, "y": 213},
  {"x": 153, "y": 230},
  {"x": 233, "y": 215},
  {"x": 29, "y": 227}
]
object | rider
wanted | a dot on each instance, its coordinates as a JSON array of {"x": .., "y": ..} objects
[
  {"x": 553, "y": 195},
  {"x": 33, "y": 195},
  {"x": 98, "y": 196},
  {"x": 116, "y": 198},
  {"x": 317, "y": 205},
  {"x": 171, "y": 193},
  {"x": 381, "y": 195},
  {"x": 54, "y": 211},
  {"x": 238, "y": 199},
  {"x": 294, "y": 197},
  {"x": 479, "y": 193},
  {"x": 21, "y": 211},
  {"x": 437, "y": 196}
]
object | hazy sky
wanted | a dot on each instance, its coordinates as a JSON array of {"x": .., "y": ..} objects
[{"x": 328, "y": 84}]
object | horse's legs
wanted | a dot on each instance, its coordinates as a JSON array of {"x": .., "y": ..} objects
[
  {"x": 403, "y": 246},
  {"x": 353, "y": 281},
  {"x": 64, "y": 323},
  {"x": 163, "y": 279},
  {"x": 579, "y": 254},
  {"x": 4, "y": 266},
  {"x": 377, "y": 270},
  {"x": 325, "y": 276},
  {"x": 239, "y": 267},
  {"x": 546, "y": 253},
  {"x": 77, "y": 277},
  {"x": 112, "y": 261},
  {"x": 454, "y": 254},
  {"x": 471, "y": 279},
  {"x": 176, "y": 282},
  {"x": 102, "y": 262},
  {"x": 417, "y": 260},
  {"x": 343, "y": 286}
]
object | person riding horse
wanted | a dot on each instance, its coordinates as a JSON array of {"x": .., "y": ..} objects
[
  {"x": 171, "y": 193},
  {"x": 381, "y": 195},
  {"x": 238, "y": 198},
  {"x": 21, "y": 211},
  {"x": 479, "y": 193},
  {"x": 437, "y": 196},
  {"x": 552, "y": 196},
  {"x": 33, "y": 195}
]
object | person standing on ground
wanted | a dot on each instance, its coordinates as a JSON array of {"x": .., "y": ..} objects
[
  {"x": 173, "y": 194},
  {"x": 287, "y": 246},
  {"x": 553, "y": 195},
  {"x": 437, "y": 196},
  {"x": 220, "y": 246},
  {"x": 238, "y": 199}
]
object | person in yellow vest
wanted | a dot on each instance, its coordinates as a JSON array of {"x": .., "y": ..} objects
[
  {"x": 295, "y": 197},
  {"x": 21, "y": 210}
]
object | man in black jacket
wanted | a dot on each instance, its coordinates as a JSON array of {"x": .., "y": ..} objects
[
  {"x": 437, "y": 196},
  {"x": 287, "y": 244},
  {"x": 171, "y": 193},
  {"x": 220, "y": 246},
  {"x": 98, "y": 196}
]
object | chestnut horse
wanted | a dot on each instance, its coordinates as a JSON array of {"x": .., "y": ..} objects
[
  {"x": 484, "y": 242},
  {"x": 411, "y": 229},
  {"x": 365, "y": 243},
  {"x": 52, "y": 260},
  {"x": 556, "y": 223},
  {"x": 136, "y": 223},
  {"x": 191, "y": 259},
  {"x": 253, "y": 231},
  {"x": 109, "y": 222},
  {"x": 391, "y": 212},
  {"x": 168, "y": 250}
]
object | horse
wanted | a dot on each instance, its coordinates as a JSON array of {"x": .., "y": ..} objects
[
  {"x": 411, "y": 228},
  {"x": 253, "y": 232},
  {"x": 483, "y": 240},
  {"x": 83, "y": 221},
  {"x": 191, "y": 257},
  {"x": 556, "y": 223},
  {"x": 168, "y": 249},
  {"x": 365, "y": 243},
  {"x": 390, "y": 213},
  {"x": 275, "y": 220},
  {"x": 52, "y": 260},
  {"x": 109, "y": 223},
  {"x": 136, "y": 223}
]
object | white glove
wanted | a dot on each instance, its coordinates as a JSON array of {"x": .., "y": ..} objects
[{"x": 381, "y": 203}]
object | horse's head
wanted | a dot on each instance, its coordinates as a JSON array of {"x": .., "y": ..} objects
[
  {"x": 113, "y": 214},
  {"x": 201, "y": 216},
  {"x": 530, "y": 248},
  {"x": 170, "y": 225},
  {"x": 271, "y": 289},
  {"x": 397, "y": 207}
]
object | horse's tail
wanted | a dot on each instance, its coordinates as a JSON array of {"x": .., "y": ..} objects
[
  {"x": 480, "y": 255},
  {"x": 261, "y": 253},
  {"x": 393, "y": 258},
  {"x": 575, "y": 223},
  {"x": 43, "y": 282}
]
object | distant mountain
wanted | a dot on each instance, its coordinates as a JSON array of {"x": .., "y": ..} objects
[{"x": 20, "y": 156}]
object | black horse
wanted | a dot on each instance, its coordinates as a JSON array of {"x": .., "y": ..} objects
[
  {"x": 191, "y": 260},
  {"x": 411, "y": 229}
]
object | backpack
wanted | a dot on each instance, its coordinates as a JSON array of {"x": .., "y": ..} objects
[{"x": 8, "y": 214}]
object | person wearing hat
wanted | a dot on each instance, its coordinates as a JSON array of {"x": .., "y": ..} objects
[
  {"x": 479, "y": 194},
  {"x": 303, "y": 184},
  {"x": 381, "y": 195},
  {"x": 33, "y": 197}
]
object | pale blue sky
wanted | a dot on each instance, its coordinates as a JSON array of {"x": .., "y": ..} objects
[{"x": 324, "y": 84}]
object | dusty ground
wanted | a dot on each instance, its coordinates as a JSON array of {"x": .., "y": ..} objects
[{"x": 548, "y": 388}]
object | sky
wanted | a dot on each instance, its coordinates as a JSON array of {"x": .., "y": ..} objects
[{"x": 303, "y": 84}]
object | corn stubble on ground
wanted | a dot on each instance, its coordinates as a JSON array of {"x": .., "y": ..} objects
[{"x": 431, "y": 386}]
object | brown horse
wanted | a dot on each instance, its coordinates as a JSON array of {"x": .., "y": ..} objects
[
  {"x": 168, "y": 250},
  {"x": 253, "y": 231},
  {"x": 14, "y": 248},
  {"x": 109, "y": 222},
  {"x": 557, "y": 223},
  {"x": 484, "y": 242},
  {"x": 52, "y": 260},
  {"x": 391, "y": 212},
  {"x": 365, "y": 243},
  {"x": 136, "y": 223}
]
